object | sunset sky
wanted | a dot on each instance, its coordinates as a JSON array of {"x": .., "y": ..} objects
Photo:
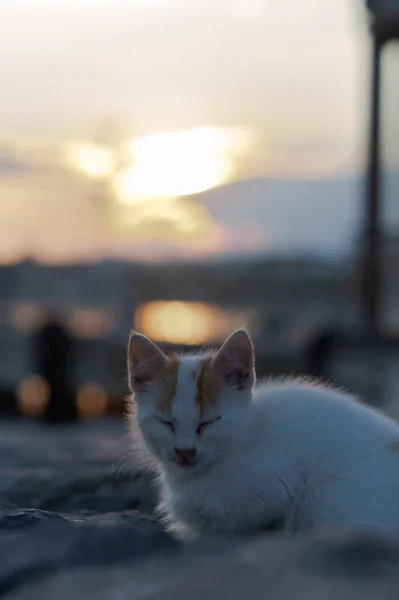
[{"x": 243, "y": 88}]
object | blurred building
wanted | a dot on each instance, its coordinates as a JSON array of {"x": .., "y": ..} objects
[{"x": 282, "y": 302}]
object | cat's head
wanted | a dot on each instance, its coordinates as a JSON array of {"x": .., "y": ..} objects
[{"x": 192, "y": 410}]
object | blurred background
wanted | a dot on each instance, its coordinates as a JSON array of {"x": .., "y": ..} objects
[{"x": 188, "y": 167}]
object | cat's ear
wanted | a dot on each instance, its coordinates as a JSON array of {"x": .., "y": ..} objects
[
  {"x": 145, "y": 360},
  {"x": 235, "y": 360}
]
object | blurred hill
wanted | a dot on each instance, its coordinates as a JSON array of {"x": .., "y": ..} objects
[
  {"x": 296, "y": 215},
  {"x": 303, "y": 215}
]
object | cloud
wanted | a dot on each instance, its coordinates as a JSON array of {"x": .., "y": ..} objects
[{"x": 11, "y": 163}]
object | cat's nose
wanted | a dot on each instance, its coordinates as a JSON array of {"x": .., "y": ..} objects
[{"x": 185, "y": 453}]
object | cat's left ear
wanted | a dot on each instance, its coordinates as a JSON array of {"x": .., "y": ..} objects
[{"x": 235, "y": 360}]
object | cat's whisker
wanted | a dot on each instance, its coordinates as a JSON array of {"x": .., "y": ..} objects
[{"x": 116, "y": 467}]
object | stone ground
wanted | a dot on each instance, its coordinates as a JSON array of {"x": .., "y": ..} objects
[{"x": 75, "y": 523}]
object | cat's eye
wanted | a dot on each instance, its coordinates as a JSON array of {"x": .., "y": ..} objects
[
  {"x": 204, "y": 424},
  {"x": 169, "y": 424}
]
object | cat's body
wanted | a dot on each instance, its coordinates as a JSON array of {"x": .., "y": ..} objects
[{"x": 291, "y": 452}]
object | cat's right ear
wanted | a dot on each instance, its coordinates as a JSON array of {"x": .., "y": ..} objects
[
  {"x": 145, "y": 360},
  {"x": 235, "y": 360}
]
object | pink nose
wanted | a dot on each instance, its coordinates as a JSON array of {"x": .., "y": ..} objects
[{"x": 185, "y": 453}]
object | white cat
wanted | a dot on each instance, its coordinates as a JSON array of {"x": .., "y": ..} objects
[{"x": 235, "y": 457}]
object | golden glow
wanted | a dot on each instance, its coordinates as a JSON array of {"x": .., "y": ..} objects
[
  {"x": 186, "y": 322},
  {"x": 91, "y": 159},
  {"x": 91, "y": 400},
  {"x": 179, "y": 164},
  {"x": 27, "y": 317},
  {"x": 173, "y": 217},
  {"x": 33, "y": 395},
  {"x": 90, "y": 323}
]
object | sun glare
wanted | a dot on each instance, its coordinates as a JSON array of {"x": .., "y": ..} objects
[
  {"x": 179, "y": 164},
  {"x": 149, "y": 194},
  {"x": 92, "y": 160}
]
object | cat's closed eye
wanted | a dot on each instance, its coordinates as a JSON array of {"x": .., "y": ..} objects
[
  {"x": 169, "y": 424},
  {"x": 204, "y": 424}
]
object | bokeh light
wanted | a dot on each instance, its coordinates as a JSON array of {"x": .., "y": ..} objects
[
  {"x": 90, "y": 323},
  {"x": 33, "y": 395},
  {"x": 91, "y": 400},
  {"x": 187, "y": 323},
  {"x": 27, "y": 317}
]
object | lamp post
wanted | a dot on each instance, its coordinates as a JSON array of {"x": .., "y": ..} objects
[{"x": 385, "y": 27}]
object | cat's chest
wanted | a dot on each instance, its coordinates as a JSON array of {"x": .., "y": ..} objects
[{"x": 227, "y": 504}]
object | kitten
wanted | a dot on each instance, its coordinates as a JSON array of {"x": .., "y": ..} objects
[{"x": 235, "y": 457}]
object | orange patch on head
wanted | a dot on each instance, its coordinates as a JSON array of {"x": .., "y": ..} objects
[
  {"x": 167, "y": 382},
  {"x": 208, "y": 386}
]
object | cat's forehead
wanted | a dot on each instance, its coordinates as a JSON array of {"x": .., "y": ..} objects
[{"x": 189, "y": 384}]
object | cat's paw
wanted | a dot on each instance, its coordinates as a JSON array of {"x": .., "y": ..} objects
[{"x": 182, "y": 532}]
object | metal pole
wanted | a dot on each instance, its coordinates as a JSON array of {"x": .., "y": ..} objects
[{"x": 372, "y": 242}]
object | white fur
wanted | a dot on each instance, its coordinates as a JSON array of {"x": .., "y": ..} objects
[{"x": 293, "y": 450}]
